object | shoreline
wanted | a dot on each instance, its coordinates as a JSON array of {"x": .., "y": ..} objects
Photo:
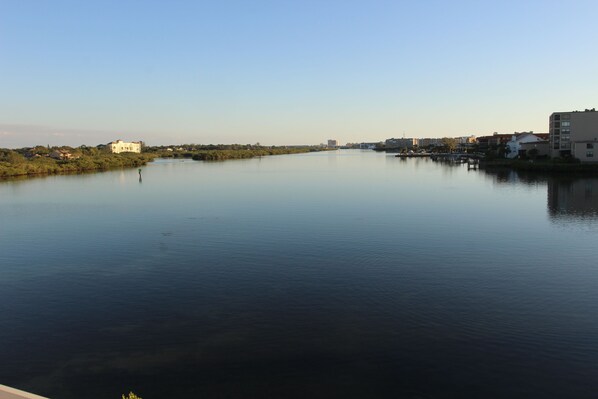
[{"x": 20, "y": 168}]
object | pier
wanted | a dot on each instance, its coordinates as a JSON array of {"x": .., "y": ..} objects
[{"x": 415, "y": 155}]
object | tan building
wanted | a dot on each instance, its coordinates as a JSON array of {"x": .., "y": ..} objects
[
  {"x": 585, "y": 151},
  {"x": 541, "y": 147},
  {"x": 118, "y": 146},
  {"x": 574, "y": 134}
]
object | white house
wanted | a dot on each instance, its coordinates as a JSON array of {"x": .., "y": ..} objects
[
  {"x": 118, "y": 146},
  {"x": 513, "y": 147}
]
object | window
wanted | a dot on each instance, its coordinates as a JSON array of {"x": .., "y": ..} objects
[
  {"x": 557, "y": 117},
  {"x": 557, "y": 124},
  {"x": 565, "y": 131},
  {"x": 566, "y": 116},
  {"x": 590, "y": 146},
  {"x": 565, "y": 123},
  {"x": 590, "y": 154}
]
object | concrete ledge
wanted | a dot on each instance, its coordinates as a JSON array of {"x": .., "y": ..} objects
[{"x": 12, "y": 393}]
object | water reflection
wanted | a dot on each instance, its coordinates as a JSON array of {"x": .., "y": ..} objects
[
  {"x": 568, "y": 197},
  {"x": 509, "y": 176},
  {"x": 573, "y": 198}
]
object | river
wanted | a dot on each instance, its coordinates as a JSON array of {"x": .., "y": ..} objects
[{"x": 349, "y": 274}]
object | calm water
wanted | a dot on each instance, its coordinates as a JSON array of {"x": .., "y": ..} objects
[{"x": 349, "y": 274}]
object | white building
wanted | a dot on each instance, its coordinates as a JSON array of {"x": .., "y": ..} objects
[
  {"x": 118, "y": 146},
  {"x": 513, "y": 147}
]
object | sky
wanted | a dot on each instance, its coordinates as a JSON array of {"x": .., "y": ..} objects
[{"x": 289, "y": 72}]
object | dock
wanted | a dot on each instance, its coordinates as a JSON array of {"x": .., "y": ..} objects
[
  {"x": 472, "y": 160},
  {"x": 415, "y": 155}
]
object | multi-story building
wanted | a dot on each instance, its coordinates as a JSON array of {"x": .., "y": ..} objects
[
  {"x": 574, "y": 134},
  {"x": 332, "y": 143},
  {"x": 408, "y": 143},
  {"x": 493, "y": 142},
  {"x": 118, "y": 146}
]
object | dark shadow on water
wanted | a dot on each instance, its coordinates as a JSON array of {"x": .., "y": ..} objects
[{"x": 570, "y": 197}]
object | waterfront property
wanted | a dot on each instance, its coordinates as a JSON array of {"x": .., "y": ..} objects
[
  {"x": 515, "y": 147},
  {"x": 574, "y": 134},
  {"x": 542, "y": 148},
  {"x": 486, "y": 143},
  {"x": 118, "y": 146}
]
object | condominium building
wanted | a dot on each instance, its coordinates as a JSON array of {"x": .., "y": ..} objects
[
  {"x": 574, "y": 134},
  {"x": 118, "y": 146}
]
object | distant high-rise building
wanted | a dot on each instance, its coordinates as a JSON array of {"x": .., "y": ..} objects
[
  {"x": 332, "y": 143},
  {"x": 574, "y": 134}
]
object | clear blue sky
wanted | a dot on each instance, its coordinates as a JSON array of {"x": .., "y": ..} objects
[{"x": 289, "y": 72}]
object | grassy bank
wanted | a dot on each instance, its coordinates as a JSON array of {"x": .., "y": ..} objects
[
  {"x": 218, "y": 155},
  {"x": 224, "y": 152},
  {"x": 13, "y": 164},
  {"x": 37, "y": 161}
]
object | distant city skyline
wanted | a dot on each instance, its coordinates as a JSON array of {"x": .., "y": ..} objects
[{"x": 74, "y": 73}]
